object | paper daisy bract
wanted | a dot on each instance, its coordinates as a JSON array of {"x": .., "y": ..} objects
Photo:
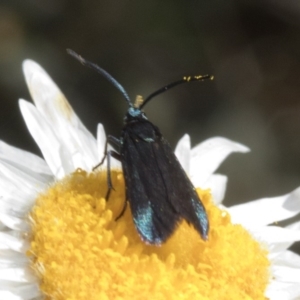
[{"x": 59, "y": 238}]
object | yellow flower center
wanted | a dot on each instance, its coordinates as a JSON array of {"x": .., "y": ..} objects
[{"x": 79, "y": 251}]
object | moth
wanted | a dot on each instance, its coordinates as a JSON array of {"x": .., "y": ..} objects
[{"x": 158, "y": 190}]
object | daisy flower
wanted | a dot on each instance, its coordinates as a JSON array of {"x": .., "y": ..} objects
[{"x": 59, "y": 238}]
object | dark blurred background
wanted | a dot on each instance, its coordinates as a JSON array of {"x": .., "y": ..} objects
[{"x": 252, "y": 48}]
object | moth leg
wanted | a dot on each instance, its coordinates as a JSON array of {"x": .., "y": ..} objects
[
  {"x": 122, "y": 212},
  {"x": 109, "y": 154},
  {"x": 113, "y": 140}
]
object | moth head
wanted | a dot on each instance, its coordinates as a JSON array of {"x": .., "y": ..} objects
[{"x": 134, "y": 112}]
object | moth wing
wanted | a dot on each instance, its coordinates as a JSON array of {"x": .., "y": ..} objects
[
  {"x": 182, "y": 194},
  {"x": 157, "y": 188}
]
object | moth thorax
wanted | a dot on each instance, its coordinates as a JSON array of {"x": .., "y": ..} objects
[{"x": 138, "y": 101}]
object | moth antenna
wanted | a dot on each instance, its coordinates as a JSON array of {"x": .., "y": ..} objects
[
  {"x": 102, "y": 72},
  {"x": 185, "y": 79}
]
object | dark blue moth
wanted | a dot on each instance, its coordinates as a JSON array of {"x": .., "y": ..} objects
[{"x": 158, "y": 190}]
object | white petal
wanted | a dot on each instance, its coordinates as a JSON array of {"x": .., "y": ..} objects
[
  {"x": 20, "y": 178},
  {"x": 58, "y": 161},
  {"x": 217, "y": 184},
  {"x": 274, "y": 234},
  {"x": 61, "y": 150},
  {"x": 25, "y": 160},
  {"x": 21, "y": 292},
  {"x": 9, "y": 241},
  {"x": 207, "y": 157},
  {"x": 17, "y": 274},
  {"x": 266, "y": 211},
  {"x": 183, "y": 152},
  {"x": 294, "y": 226},
  {"x": 2, "y": 226},
  {"x": 55, "y": 108},
  {"x": 12, "y": 259},
  {"x": 276, "y": 239},
  {"x": 277, "y": 290},
  {"x": 18, "y": 190},
  {"x": 13, "y": 207},
  {"x": 84, "y": 144},
  {"x": 288, "y": 258},
  {"x": 286, "y": 274},
  {"x": 7, "y": 285},
  {"x": 12, "y": 201},
  {"x": 14, "y": 223}
]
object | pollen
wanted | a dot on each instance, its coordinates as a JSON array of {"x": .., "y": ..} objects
[{"x": 79, "y": 251}]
